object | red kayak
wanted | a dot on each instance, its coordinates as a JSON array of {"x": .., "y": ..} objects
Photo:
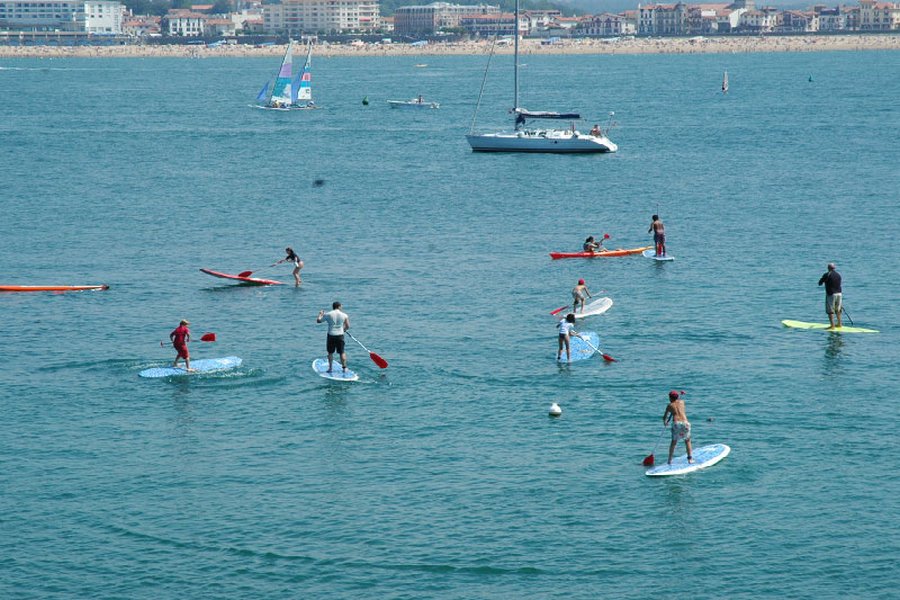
[
  {"x": 601, "y": 254},
  {"x": 51, "y": 288},
  {"x": 249, "y": 280}
]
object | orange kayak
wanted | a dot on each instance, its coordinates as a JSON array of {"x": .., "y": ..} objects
[
  {"x": 51, "y": 288},
  {"x": 601, "y": 254}
]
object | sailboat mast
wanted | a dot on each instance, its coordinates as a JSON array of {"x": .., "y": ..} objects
[{"x": 516, "y": 52}]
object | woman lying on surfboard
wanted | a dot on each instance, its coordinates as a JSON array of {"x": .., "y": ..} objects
[{"x": 295, "y": 260}]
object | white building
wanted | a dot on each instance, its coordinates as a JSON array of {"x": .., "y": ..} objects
[
  {"x": 103, "y": 16},
  {"x": 92, "y": 16},
  {"x": 184, "y": 23},
  {"x": 330, "y": 16},
  {"x": 608, "y": 24}
]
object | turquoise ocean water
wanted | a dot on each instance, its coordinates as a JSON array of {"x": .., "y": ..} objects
[{"x": 443, "y": 477}]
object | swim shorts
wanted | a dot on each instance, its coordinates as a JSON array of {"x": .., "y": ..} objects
[
  {"x": 183, "y": 351},
  {"x": 335, "y": 344},
  {"x": 681, "y": 431},
  {"x": 659, "y": 238},
  {"x": 833, "y": 303}
]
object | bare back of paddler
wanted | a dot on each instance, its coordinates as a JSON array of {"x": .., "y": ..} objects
[{"x": 659, "y": 235}]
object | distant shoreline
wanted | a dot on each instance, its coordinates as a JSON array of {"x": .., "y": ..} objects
[{"x": 695, "y": 45}]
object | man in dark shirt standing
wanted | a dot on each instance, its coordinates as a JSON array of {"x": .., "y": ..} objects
[{"x": 833, "y": 294}]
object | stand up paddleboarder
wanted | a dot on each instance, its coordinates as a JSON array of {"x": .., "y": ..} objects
[
  {"x": 566, "y": 328},
  {"x": 579, "y": 292},
  {"x": 659, "y": 235},
  {"x": 295, "y": 260},
  {"x": 180, "y": 338},
  {"x": 833, "y": 295},
  {"x": 681, "y": 427},
  {"x": 338, "y": 323}
]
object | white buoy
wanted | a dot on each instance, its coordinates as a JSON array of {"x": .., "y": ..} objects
[{"x": 555, "y": 410}]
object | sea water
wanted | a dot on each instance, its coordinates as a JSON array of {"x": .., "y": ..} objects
[{"x": 442, "y": 476}]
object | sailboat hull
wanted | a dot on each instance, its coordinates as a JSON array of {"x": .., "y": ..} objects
[{"x": 546, "y": 141}]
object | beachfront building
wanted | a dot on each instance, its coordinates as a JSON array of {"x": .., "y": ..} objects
[
  {"x": 831, "y": 19},
  {"x": 294, "y": 17},
  {"x": 764, "y": 20},
  {"x": 141, "y": 26},
  {"x": 798, "y": 21},
  {"x": 181, "y": 22},
  {"x": 607, "y": 25},
  {"x": 494, "y": 24},
  {"x": 431, "y": 18},
  {"x": 878, "y": 16},
  {"x": 91, "y": 16}
]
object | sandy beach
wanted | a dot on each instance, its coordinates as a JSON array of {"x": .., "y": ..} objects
[{"x": 696, "y": 45}]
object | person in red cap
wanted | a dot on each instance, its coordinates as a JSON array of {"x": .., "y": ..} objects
[
  {"x": 681, "y": 428},
  {"x": 180, "y": 338},
  {"x": 579, "y": 292}
]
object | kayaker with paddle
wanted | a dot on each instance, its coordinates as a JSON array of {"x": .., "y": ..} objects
[
  {"x": 659, "y": 235},
  {"x": 295, "y": 260},
  {"x": 566, "y": 328},
  {"x": 338, "y": 323},
  {"x": 833, "y": 294},
  {"x": 590, "y": 245},
  {"x": 681, "y": 427},
  {"x": 578, "y": 295},
  {"x": 180, "y": 338}
]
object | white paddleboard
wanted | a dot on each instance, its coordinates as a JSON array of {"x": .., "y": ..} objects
[
  {"x": 826, "y": 327},
  {"x": 579, "y": 349},
  {"x": 652, "y": 254},
  {"x": 320, "y": 366},
  {"x": 597, "y": 307},
  {"x": 704, "y": 457},
  {"x": 203, "y": 365}
]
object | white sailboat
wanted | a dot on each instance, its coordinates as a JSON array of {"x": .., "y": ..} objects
[
  {"x": 289, "y": 93},
  {"x": 525, "y": 139},
  {"x": 725, "y": 83}
]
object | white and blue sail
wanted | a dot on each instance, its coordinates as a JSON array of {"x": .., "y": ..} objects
[
  {"x": 303, "y": 83},
  {"x": 281, "y": 91}
]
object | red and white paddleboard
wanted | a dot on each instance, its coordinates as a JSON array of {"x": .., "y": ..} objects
[
  {"x": 51, "y": 288},
  {"x": 250, "y": 280}
]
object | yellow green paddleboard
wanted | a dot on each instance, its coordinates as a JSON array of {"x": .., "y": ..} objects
[{"x": 826, "y": 327}]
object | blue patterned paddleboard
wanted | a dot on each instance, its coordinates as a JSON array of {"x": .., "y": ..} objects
[
  {"x": 652, "y": 254},
  {"x": 320, "y": 366},
  {"x": 580, "y": 350},
  {"x": 704, "y": 457},
  {"x": 204, "y": 365}
]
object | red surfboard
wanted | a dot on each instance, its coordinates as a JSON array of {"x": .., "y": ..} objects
[{"x": 248, "y": 280}]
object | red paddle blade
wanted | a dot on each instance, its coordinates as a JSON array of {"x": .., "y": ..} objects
[
  {"x": 245, "y": 273},
  {"x": 378, "y": 360},
  {"x": 605, "y": 236},
  {"x": 648, "y": 462},
  {"x": 608, "y": 358},
  {"x": 559, "y": 310},
  {"x": 208, "y": 337}
]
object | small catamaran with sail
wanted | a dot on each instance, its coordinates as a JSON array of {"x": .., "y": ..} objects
[
  {"x": 524, "y": 139},
  {"x": 289, "y": 92}
]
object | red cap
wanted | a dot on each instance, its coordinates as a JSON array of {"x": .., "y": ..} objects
[
  {"x": 673, "y": 395},
  {"x": 581, "y": 282}
]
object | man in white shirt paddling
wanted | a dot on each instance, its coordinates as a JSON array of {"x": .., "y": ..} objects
[{"x": 338, "y": 323}]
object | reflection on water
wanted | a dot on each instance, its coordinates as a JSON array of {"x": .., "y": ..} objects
[{"x": 833, "y": 347}]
